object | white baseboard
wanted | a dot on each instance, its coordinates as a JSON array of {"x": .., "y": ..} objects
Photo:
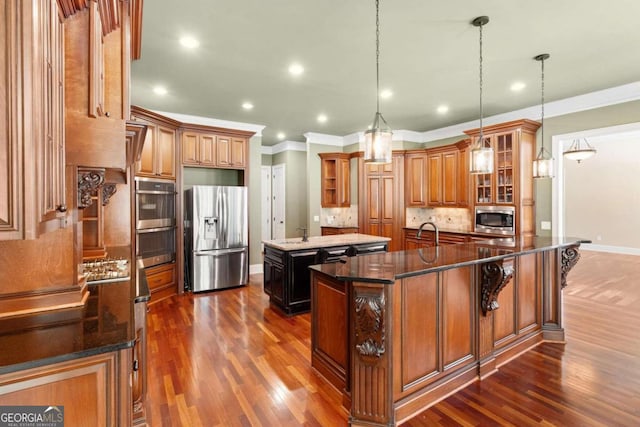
[
  {"x": 613, "y": 249},
  {"x": 255, "y": 269}
]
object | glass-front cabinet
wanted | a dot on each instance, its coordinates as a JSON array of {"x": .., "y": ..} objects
[
  {"x": 504, "y": 167},
  {"x": 511, "y": 182}
]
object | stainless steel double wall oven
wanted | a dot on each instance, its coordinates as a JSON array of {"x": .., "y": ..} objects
[{"x": 155, "y": 221}]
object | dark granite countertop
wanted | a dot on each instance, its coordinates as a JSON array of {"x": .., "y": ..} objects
[
  {"x": 389, "y": 266},
  {"x": 104, "y": 323}
]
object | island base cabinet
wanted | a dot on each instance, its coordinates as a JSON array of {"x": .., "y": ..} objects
[{"x": 94, "y": 391}]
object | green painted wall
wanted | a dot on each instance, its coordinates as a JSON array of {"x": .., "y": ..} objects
[
  {"x": 267, "y": 160},
  {"x": 255, "y": 219},
  {"x": 295, "y": 189}
]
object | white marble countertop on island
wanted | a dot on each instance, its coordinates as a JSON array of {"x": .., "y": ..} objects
[{"x": 296, "y": 243}]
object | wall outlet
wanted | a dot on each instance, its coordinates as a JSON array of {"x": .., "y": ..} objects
[
  {"x": 545, "y": 225},
  {"x": 316, "y": 218}
]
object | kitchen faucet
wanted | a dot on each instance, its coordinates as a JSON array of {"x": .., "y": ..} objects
[
  {"x": 435, "y": 228},
  {"x": 305, "y": 237}
]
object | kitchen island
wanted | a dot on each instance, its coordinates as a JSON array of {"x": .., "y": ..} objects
[
  {"x": 287, "y": 261},
  {"x": 397, "y": 332}
]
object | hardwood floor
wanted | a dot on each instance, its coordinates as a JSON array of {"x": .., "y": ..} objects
[{"x": 225, "y": 358}]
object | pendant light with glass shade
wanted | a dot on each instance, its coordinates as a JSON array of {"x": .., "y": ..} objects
[
  {"x": 543, "y": 164},
  {"x": 579, "y": 152},
  {"x": 481, "y": 156},
  {"x": 377, "y": 140}
]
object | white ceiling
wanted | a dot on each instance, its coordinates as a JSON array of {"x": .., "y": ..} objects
[{"x": 428, "y": 57}]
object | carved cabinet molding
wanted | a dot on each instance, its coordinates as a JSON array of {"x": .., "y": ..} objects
[{"x": 494, "y": 277}]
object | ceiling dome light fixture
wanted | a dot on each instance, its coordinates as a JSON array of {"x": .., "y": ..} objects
[
  {"x": 189, "y": 42},
  {"x": 377, "y": 139},
  {"x": 481, "y": 153},
  {"x": 543, "y": 164},
  {"x": 578, "y": 152},
  {"x": 296, "y": 69}
]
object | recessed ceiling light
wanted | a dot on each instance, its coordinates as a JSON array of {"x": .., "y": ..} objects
[
  {"x": 281, "y": 135},
  {"x": 385, "y": 94},
  {"x": 247, "y": 106},
  {"x": 189, "y": 42},
  {"x": 160, "y": 90},
  {"x": 296, "y": 69},
  {"x": 442, "y": 109},
  {"x": 322, "y": 118},
  {"x": 517, "y": 86}
]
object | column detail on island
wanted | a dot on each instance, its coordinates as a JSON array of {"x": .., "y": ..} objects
[{"x": 371, "y": 403}]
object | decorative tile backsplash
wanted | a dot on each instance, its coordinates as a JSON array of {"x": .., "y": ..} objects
[
  {"x": 339, "y": 217},
  {"x": 455, "y": 219}
]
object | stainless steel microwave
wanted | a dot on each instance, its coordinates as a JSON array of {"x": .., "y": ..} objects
[{"x": 500, "y": 220}]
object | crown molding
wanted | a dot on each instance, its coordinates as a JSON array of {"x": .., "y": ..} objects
[
  {"x": 324, "y": 139},
  {"x": 208, "y": 121},
  {"x": 284, "y": 146}
]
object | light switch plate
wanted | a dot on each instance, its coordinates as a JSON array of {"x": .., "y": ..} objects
[
  {"x": 545, "y": 225},
  {"x": 316, "y": 218}
]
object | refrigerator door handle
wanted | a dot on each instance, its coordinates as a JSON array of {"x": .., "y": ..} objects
[{"x": 220, "y": 252}]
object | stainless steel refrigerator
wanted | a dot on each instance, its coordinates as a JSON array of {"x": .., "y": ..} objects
[{"x": 216, "y": 237}]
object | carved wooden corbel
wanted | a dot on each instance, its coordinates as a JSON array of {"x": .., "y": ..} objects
[
  {"x": 495, "y": 277},
  {"x": 88, "y": 183},
  {"x": 370, "y": 327},
  {"x": 108, "y": 190},
  {"x": 570, "y": 257}
]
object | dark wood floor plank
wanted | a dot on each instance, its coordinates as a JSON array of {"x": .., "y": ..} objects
[{"x": 226, "y": 359}]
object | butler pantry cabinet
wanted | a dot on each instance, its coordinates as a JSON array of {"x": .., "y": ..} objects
[{"x": 32, "y": 147}]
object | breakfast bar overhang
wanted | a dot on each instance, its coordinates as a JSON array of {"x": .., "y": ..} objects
[{"x": 396, "y": 332}]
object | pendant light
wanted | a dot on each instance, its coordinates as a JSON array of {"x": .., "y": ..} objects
[
  {"x": 481, "y": 156},
  {"x": 543, "y": 164},
  {"x": 578, "y": 152},
  {"x": 377, "y": 140}
]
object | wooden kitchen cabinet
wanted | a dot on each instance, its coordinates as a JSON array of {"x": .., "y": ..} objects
[
  {"x": 92, "y": 388},
  {"x": 448, "y": 175},
  {"x": 139, "y": 371},
  {"x": 443, "y": 174},
  {"x": 199, "y": 149},
  {"x": 511, "y": 182},
  {"x": 32, "y": 140},
  {"x": 381, "y": 199},
  {"x": 162, "y": 281},
  {"x": 438, "y": 176},
  {"x": 97, "y": 60},
  {"x": 335, "y": 180},
  {"x": 213, "y": 150},
  {"x": 158, "y": 158},
  {"x": 231, "y": 152},
  {"x": 416, "y": 181}
]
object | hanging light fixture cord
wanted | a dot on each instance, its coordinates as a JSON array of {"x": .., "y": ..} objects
[
  {"x": 377, "y": 57},
  {"x": 542, "y": 118},
  {"x": 481, "y": 114}
]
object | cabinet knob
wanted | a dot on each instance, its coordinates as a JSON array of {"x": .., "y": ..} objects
[
  {"x": 107, "y": 114},
  {"x": 61, "y": 208}
]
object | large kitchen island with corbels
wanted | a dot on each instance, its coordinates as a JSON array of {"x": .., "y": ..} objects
[{"x": 396, "y": 332}]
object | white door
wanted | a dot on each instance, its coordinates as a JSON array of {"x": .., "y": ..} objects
[
  {"x": 278, "y": 205},
  {"x": 266, "y": 202}
]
